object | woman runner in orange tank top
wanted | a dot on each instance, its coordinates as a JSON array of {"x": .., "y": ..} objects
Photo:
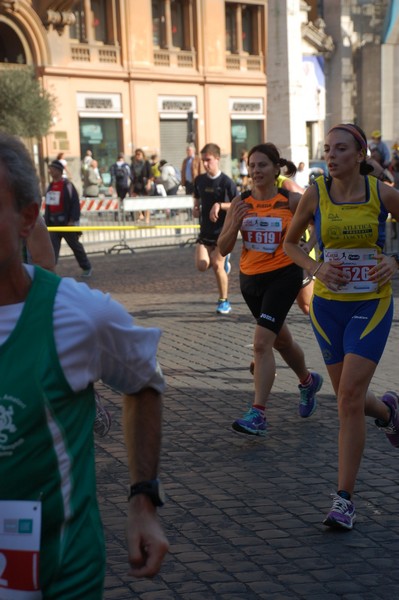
[{"x": 269, "y": 282}]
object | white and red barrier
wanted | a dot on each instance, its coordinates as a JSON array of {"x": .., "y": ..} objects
[{"x": 94, "y": 204}]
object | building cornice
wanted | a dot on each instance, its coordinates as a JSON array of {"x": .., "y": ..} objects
[
  {"x": 57, "y": 13},
  {"x": 51, "y": 13},
  {"x": 314, "y": 34},
  {"x": 58, "y": 20}
]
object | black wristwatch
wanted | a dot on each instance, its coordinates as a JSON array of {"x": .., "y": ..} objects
[{"x": 152, "y": 488}]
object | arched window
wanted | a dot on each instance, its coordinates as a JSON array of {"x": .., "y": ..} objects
[{"x": 11, "y": 48}]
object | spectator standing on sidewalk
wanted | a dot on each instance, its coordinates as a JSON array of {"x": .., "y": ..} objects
[
  {"x": 66, "y": 173},
  {"x": 191, "y": 167},
  {"x": 120, "y": 181},
  {"x": 302, "y": 175},
  {"x": 154, "y": 162},
  {"x": 168, "y": 178},
  {"x": 269, "y": 281},
  {"x": 213, "y": 192},
  {"x": 88, "y": 157},
  {"x": 57, "y": 338},
  {"x": 92, "y": 180},
  {"x": 140, "y": 169},
  {"x": 382, "y": 148},
  {"x": 352, "y": 306},
  {"x": 63, "y": 209},
  {"x": 121, "y": 177}
]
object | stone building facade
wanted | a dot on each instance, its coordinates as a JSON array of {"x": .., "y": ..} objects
[
  {"x": 157, "y": 74},
  {"x": 362, "y": 77},
  {"x": 153, "y": 74}
]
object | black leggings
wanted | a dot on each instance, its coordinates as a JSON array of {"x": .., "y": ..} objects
[{"x": 269, "y": 296}]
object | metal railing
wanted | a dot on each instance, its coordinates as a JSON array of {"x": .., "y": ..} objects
[{"x": 109, "y": 225}]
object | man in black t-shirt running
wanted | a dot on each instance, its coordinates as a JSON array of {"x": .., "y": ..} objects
[{"x": 213, "y": 192}]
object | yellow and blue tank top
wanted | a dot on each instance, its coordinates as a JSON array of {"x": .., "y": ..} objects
[
  {"x": 280, "y": 180},
  {"x": 354, "y": 233}
]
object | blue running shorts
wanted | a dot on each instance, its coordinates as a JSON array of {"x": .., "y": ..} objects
[{"x": 360, "y": 328}]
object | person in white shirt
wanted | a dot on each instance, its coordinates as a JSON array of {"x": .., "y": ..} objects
[{"x": 302, "y": 175}]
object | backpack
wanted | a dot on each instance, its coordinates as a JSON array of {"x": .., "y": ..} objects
[
  {"x": 174, "y": 179},
  {"x": 121, "y": 176},
  {"x": 177, "y": 175}
]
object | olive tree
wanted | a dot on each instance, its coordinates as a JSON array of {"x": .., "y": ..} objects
[{"x": 25, "y": 108}]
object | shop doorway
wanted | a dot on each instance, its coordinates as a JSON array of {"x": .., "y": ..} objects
[{"x": 103, "y": 137}]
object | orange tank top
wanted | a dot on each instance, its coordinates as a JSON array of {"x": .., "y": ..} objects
[{"x": 263, "y": 232}]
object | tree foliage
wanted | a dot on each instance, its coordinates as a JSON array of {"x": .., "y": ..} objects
[{"x": 25, "y": 108}]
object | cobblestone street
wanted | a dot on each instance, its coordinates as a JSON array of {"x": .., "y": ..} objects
[{"x": 243, "y": 515}]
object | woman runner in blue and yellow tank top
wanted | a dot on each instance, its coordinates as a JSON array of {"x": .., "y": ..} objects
[{"x": 352, "y": 307}]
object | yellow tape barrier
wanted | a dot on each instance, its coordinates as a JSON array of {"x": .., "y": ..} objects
[{"x": 120, "y": 227}]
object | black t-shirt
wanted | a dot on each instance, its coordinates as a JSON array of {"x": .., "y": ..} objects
[{"x": 209, "y": 191}]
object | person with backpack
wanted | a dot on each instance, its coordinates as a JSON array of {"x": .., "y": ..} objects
[
  {"x": 121, "y": 176},
  {"x": 121, "y": 179},
  {"x": 63, "y": 208}
]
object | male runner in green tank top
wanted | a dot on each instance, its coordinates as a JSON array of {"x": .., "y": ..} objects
[{"x": 52, "y": 350}]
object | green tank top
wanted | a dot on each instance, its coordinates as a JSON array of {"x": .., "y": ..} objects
[{"x": 46, "y": 446}]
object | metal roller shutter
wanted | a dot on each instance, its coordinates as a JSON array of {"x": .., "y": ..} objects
[{"x": 173, "y": 141}]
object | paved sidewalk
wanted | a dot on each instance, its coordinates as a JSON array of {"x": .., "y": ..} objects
[{"x": 243, "y": 515}]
